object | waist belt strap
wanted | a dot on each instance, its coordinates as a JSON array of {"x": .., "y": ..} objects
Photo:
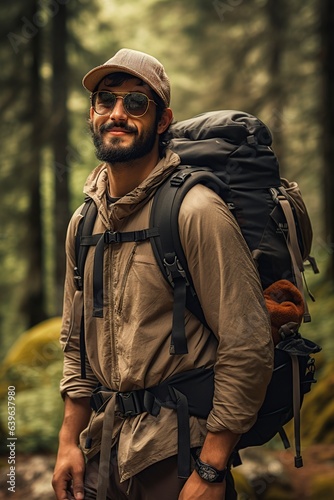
[
  {"x": 189, "y": 393},
  {"x": 130, "y": 404},
  {"x": 107, "y": 430}
]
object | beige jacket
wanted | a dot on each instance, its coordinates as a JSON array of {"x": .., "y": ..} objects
[{"x": 129, "y": 347}]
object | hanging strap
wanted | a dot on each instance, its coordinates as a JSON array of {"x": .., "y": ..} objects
[
  {"x": 107, "y": 430},
  {"x": 178, "y": 280},
  {"x": 284, "y": 438},
  {"x": 183, "y": 431},
  {"x": 296, "y": 409}
]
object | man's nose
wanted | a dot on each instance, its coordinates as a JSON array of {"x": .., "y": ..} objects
[{"x": 118, "y": 112}]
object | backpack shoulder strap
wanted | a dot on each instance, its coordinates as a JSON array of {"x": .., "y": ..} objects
[
  {"x": 168, "y": 249},
  {"x": 85, "y": 228}
]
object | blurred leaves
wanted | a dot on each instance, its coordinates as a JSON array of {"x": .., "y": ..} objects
[{"x": 33, "y": 366}]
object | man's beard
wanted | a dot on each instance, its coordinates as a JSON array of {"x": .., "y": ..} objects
[{"x": 115, "y": 152}]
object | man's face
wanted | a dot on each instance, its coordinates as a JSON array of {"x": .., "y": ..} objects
[{"x": 119, "y": 137}]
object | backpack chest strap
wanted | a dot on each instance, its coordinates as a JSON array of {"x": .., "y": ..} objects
[{"x": 100, "y": 241}]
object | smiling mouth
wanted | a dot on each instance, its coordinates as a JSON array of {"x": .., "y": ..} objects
[{"x": 117, "y": 131}]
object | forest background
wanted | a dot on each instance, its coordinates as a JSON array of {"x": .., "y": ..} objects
[{"x": 272, "y": 58}]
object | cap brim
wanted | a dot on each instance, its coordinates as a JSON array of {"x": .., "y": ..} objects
[{"x": 93, "y": 78}]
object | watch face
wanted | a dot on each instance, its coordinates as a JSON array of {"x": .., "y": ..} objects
[{"x": 207, "y": 473}]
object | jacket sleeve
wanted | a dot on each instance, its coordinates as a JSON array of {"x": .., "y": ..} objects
[
  {"x": 71, "y": 383},
  {"x": 230, "y": 292}
]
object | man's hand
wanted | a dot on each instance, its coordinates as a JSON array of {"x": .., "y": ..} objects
[
  {"x": 68, "y": 476},
  {"x": 197, "y": 489},
  {"x": 216, "y": 451}
]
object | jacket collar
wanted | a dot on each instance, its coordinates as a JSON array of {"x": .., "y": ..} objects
[{"x": 97, "y": 184}]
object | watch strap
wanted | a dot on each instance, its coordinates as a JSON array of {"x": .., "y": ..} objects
[{"x": 210, "y": 473}]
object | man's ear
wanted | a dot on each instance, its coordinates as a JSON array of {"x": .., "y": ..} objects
[
  {"x": 165, "y": 121},
  {"x": 91, "y": 113}
]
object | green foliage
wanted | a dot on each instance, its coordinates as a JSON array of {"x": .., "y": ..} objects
[
  {"x": 34, "y": 367},
  {"x": 318, "y": 410},
  {"x": 321, "y": 328},
  {"x": 39, "y": 410}
]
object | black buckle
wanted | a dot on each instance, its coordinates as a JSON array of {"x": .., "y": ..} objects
[
  {"x": 174, "y": 269},
  {"x": 112, "y": 237},
  {"x": 99, "y": 399},
  {"x": 130, "y": 403}
]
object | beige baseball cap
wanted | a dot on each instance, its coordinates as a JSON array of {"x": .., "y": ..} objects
[{"x": 136, "y": 63}]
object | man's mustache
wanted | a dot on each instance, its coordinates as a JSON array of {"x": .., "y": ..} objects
[{"x": 110, "y": 126}]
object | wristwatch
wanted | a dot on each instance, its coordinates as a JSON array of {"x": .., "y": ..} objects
[{"x": 209, "y": 473}]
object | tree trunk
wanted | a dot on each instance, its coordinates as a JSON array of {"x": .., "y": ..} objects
[
  {"x": 33, "y": 303},
  {"x": 60, "y": 145},
  {"x": 327, "y": 31}
]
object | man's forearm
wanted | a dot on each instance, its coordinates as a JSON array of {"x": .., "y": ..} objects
[
  {"x": 217, "y": 448},
  {"x": 76, "y": 416}
]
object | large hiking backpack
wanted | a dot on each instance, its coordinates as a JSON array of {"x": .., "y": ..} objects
[
  {"x": 244, "y": 171},
  {"x": 230, "y": 152}
]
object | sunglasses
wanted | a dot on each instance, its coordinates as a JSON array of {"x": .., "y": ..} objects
[{"x": 135, "y": 103}]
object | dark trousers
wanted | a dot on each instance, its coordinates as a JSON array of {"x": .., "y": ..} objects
[{"x": 157, "y": 482}]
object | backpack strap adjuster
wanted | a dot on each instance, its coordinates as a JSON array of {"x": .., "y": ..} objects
[
  {"x": 174, "y": 268},
  {"x": 78, "y": 279},
  {"x": 179, "y": 178}
]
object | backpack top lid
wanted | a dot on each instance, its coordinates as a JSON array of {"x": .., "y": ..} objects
[{"x": 235, "y": 144}]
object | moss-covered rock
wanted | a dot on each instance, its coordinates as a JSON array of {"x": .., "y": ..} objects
[{"x": 25, "y": 363}]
